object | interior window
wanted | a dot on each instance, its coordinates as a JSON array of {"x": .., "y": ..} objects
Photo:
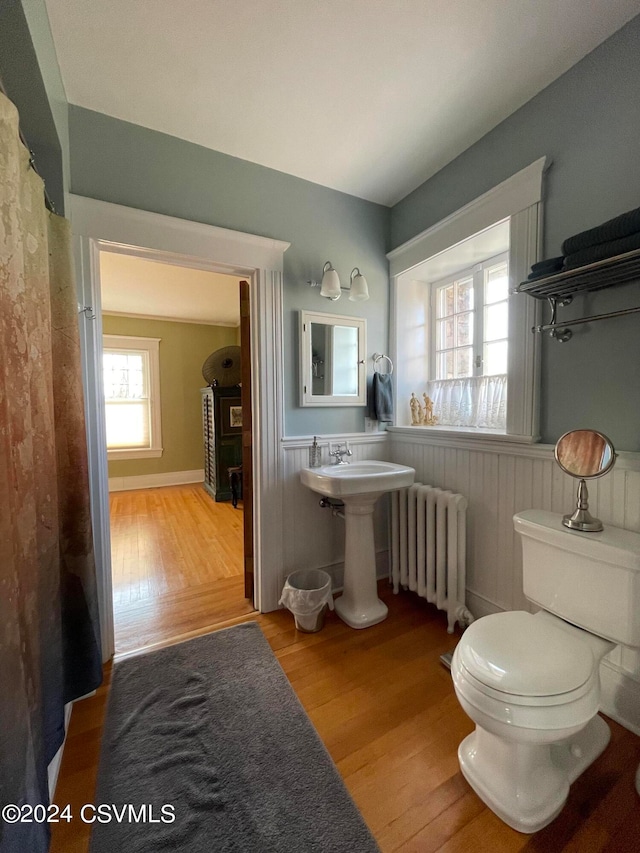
[
  {"x": 132, "y": 396},
  {"x": 127, "y": 399}
]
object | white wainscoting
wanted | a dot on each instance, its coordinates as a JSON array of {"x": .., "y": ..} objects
[
  {"x": 313, "y": 538},
  {"x": 499, "y": 479}
]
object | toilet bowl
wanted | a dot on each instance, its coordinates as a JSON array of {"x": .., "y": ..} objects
[
  {"x": 532, "y": 688},
  {"x": 530, "y": 683}
]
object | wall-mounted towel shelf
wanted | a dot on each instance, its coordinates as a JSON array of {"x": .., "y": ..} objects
[{"x": 560, "y": 288}]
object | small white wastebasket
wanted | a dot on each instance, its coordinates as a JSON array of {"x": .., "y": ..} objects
[{"x": 307, "y": 594}]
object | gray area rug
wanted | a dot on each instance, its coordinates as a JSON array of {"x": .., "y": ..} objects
[{"x": 213, "y": 728}]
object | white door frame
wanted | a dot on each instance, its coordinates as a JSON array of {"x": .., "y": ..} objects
[{"x": 100, "y": 226}]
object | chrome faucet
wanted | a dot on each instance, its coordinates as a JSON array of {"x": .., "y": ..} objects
[{"x": 339, "y": 453}]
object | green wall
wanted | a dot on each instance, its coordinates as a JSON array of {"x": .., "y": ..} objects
[
  {"x": 126, "y": 164},
  {"x": 183, "y": 350},
  {"x": 588, "y": 123}
]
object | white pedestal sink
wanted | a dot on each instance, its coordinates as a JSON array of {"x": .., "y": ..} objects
[{"x": 359, "y": 485}]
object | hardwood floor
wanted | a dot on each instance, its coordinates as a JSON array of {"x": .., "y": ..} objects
[
  {"x": 386, "y": 710},
  {"x": 177, "y": 559}
]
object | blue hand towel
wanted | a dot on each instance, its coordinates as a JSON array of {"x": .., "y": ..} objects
[{"x": 381, "y": 408}]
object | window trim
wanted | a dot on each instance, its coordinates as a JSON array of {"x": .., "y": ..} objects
[
  {"x": 152, "y": 347},
  {"x": 517, "y": 200}
]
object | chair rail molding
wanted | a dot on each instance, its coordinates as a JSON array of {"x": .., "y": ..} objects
[{"x": 100, "y": 226}]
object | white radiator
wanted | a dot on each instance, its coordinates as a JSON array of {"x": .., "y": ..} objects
[{"x": 428, "y": 548}]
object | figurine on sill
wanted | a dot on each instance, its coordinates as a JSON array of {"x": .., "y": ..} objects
[
  {"x": 428, "y": 418},
  {"x": 422, "y": 416},
  {"x": 416, "y": 411}
]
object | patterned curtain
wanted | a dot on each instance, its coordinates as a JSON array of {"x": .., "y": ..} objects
[
  {"x": 49, "y": 634},
  {"x": 476, "y": 402}
]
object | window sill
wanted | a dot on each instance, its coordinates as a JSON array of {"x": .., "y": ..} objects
[
  {"x": 463, "y": 433},
  {"x": 135, "y": 453}
]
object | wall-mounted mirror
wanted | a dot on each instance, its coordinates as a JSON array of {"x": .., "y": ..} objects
[
  {"x": 332, "y": 360},
  {"x": 584, "y": 454}
]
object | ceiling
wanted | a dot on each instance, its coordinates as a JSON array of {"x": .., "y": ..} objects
[
  {"x": 133, "y": 286},
  {"x": 370, "y": 97}
]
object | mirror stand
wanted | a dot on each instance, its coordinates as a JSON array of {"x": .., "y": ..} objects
[
  {"x": 582, "y": 519},
  {"x": 584, "y": 454}
]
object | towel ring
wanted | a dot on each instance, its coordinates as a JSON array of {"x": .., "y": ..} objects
[{"x": 378, "y": 357}]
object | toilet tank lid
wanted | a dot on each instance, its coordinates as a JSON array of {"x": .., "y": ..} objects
[
  {"x": 516, "y": 653},
  {"x": 613, "y": 545}
]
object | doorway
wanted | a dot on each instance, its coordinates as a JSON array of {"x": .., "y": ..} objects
[
  {"x": 101, "y": 226},
  {"x": 177, "y": 543}
]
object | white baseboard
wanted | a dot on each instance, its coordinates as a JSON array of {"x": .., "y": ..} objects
[
  {"x": 152, "y": 481},
  {"x": 480, "y": 606},
  {"x": 620, "y": 696},
  {"x": 336, "y": 570}
]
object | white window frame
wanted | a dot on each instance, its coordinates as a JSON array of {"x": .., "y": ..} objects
[
  {"x": 518, "y": 201},
  {"x": 151, "y": 346},
  {"x": 477, "y": 273}
]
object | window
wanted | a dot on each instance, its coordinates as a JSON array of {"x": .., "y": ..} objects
[
  {"x": 469, "y": 341},
  {"x": 484, "y": 332},
  {"x": 132, "y": 397},
  {"x": 469, "y": 346}
]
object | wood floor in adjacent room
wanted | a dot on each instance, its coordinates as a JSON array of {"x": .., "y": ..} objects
[
  {"x": 177, "y": 559},
  {"x": 387, "y": 712}
]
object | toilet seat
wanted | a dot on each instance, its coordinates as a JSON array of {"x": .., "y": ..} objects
[
  {"x": 525, "y": 701},
  {"x": 522, "y": 671},
  {"x": 549, "y": 714},
  {"x": 522, "y": 655}
]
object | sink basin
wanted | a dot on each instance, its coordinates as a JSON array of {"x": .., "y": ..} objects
[{"x": 357, "y": 478}]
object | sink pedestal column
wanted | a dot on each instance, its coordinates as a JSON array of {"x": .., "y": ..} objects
[{"x": 359, "y": 605}]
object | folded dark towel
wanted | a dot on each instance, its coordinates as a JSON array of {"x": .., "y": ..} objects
[
  {"x": 542, "y": 269},
  {"x": 381, "y": 398},
  {"x": 549, "y": 263},
  {"x": 534, "y": 276},
  {"x": 614, "y": 229},
  {"x": 602, "y": 251}
]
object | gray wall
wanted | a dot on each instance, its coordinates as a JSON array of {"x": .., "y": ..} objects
[
  {"x": 588, "y": 124},
  {"x": 126, "y": 164},
  {"x": 25, "y": 86}
]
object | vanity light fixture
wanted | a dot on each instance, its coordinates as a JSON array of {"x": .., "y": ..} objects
[
  {"x": 359, "y": 289},
  {"x": 331, "y": 288}
]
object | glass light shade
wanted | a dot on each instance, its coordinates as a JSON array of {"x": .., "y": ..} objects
[
  {"x": 359, "y": 288},
  {"x": 330, "y": 283}
]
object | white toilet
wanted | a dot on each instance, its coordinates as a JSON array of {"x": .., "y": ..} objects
[{"x": 531, "y": 682}]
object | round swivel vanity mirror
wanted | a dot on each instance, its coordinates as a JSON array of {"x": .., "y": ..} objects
[{"x": 584, "y": 454}]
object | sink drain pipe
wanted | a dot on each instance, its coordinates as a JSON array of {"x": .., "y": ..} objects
[{"x": 336, "y": 506}]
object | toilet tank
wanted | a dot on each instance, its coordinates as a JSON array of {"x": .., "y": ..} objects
[{"x": 589, "y": 579}]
